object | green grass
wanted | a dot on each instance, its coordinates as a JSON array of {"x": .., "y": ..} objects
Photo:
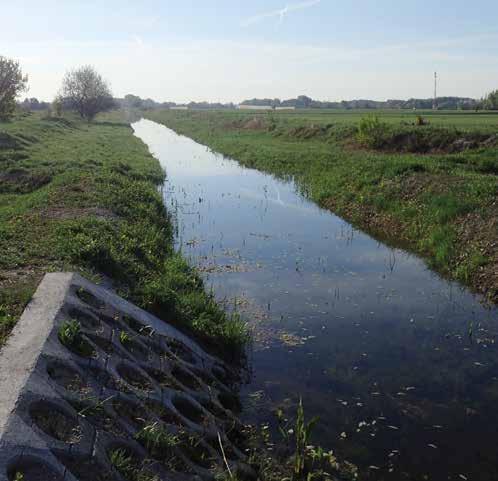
[
  {"x": 437, "y": 204},
  {"x": 83, "y": 196}
]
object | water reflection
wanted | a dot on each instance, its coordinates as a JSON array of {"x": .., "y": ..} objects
[{"x": 400, "y": 365}]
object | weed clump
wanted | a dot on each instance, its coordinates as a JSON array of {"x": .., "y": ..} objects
[
  {"x": 159, "y": 443},
  {"x": 70, "y": 336},
  {"x": 130, "y": 467}
]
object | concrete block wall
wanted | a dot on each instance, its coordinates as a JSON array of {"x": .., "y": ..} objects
[{"x": 85, "y": 372}]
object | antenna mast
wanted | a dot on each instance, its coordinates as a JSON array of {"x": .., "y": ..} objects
[{"x": 434, "y": 103}]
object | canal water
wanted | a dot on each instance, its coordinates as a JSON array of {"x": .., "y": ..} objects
[{"x": 400, "y": 364}]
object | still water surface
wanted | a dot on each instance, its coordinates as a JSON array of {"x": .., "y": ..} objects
[{"x": 400, "y": 365}]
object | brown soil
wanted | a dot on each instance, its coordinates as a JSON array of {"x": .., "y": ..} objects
[
  {"x": 21, "y": 181},
  {"x": 480, "y": 232},
  {"x": 55, "y": 423},
  {"x": 70, "y": 213},
  {"x": 256, "y": 124}
]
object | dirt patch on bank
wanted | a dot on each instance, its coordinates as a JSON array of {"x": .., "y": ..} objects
[
  {"x": 412, "y": 186},
  {"x": 21, "y": 181},
  {"x": 479, "y": 232},
  {"x": 71, "y": 213},
  {"x": 256, "y": 123}
]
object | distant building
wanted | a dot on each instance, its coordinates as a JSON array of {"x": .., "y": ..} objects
[
  {"x": 286, "y": 108},
  {"x": 179, "y": 107},
  {"x": 255, "y": 107}
]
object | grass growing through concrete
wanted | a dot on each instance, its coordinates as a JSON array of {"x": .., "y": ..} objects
[
  {"x": 427, "y": 181},
  {"x": 83, "y": 196}
]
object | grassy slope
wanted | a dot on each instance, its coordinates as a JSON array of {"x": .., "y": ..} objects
[
  {"x": 442, "y": 206},
  {"x": 77, "y": 196}
]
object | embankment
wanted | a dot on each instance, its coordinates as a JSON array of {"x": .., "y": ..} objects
[{"x": 83, "y": 197}]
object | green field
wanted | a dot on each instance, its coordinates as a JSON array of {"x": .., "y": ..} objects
[
  {"x": 430, "y": 188},
  {"x": 450, "y": 118},
  {"x": 83, "y": 196}
]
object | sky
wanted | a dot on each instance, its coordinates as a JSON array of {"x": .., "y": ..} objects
[{"x": 231, "y": 50}]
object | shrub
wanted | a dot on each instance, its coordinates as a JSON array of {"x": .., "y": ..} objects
[{"x": 372, "y": 132}]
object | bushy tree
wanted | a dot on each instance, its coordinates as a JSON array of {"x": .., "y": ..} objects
[
  {"x": 12, "y": 83},
  {"x": 87, "y": 92}
]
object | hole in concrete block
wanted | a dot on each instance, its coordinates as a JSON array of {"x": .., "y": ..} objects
[
  {"x": 138, "y": 326},
  {"x": 70, "y": 336},
  {"x": 180, "y": 350},
  {"x": 160, "y": 444},
  {"x": 134, "y": 377},
  {"x": 189, "y": 410},
  {"x": 236, "y": 436},
  {"x": 104, "y": 344},
  {"x": 85, "y": 469},
  {"x": 94, "y": 412},
  {"x": 133, "y": 347},
  {"x": 185, "y": 377},
  {"x": 110, "y": 321},
  {"x": 54, "y": 422},
  {"x": 89, "y": 298},
  {"x": 67, "y": 377},
  {"x": 162, "y": 412},
  {"x": 205, "y": 376},
  {"x": 130, "y": 465},
  {"x": 213, "y": 408},
  {"x": 87, "y": 320},
  {"x": 220, "y": 373},
  {"x": 196, "y": 451},
  {"x": 161, "y": 377},
  {"x": 102, "y": 377},
  {"x": 227, "y": 448},
  {"x": 127, "y": 462},
  {"x": 157, "y": 349},
  {"x": 32, "y": 469},
  {"x": 131, "y": 411},
  {"x": 230, "y": 401}
]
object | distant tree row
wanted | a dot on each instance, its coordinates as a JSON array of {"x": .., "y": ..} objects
[{"x": 304, "y": 102}]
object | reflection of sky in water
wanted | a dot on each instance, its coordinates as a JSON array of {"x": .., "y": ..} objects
[{"x": 381, "y": 339}]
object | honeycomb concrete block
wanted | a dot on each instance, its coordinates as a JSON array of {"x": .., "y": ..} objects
[{"x": 94, "y": 388}]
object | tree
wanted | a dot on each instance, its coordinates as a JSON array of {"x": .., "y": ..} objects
[
  {"x": 57, "y": 106},
  {"x": 491, "y": 101},
  {"x": 87, "y": 92},
  {"x": 12, "y": 83}
]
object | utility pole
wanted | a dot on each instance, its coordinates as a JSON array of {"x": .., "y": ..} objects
[{"x": 434, "y": 103}]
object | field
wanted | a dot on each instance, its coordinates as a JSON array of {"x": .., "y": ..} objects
[
  {"x": 426, "y": 181},
  {"x": 83, "y": 196}
]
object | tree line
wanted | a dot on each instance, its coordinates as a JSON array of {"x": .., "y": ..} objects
[{"x": 444, "y": 103}]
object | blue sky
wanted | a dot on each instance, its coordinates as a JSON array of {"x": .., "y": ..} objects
[{"x": 232, "y": 50}]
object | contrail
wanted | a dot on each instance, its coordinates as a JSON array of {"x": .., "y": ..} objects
[{"x": 281, "y": 13}]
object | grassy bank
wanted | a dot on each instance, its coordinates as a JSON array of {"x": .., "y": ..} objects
[
  {"x": 84, "y": 197},
  {"x": 428, "y": 184}
]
